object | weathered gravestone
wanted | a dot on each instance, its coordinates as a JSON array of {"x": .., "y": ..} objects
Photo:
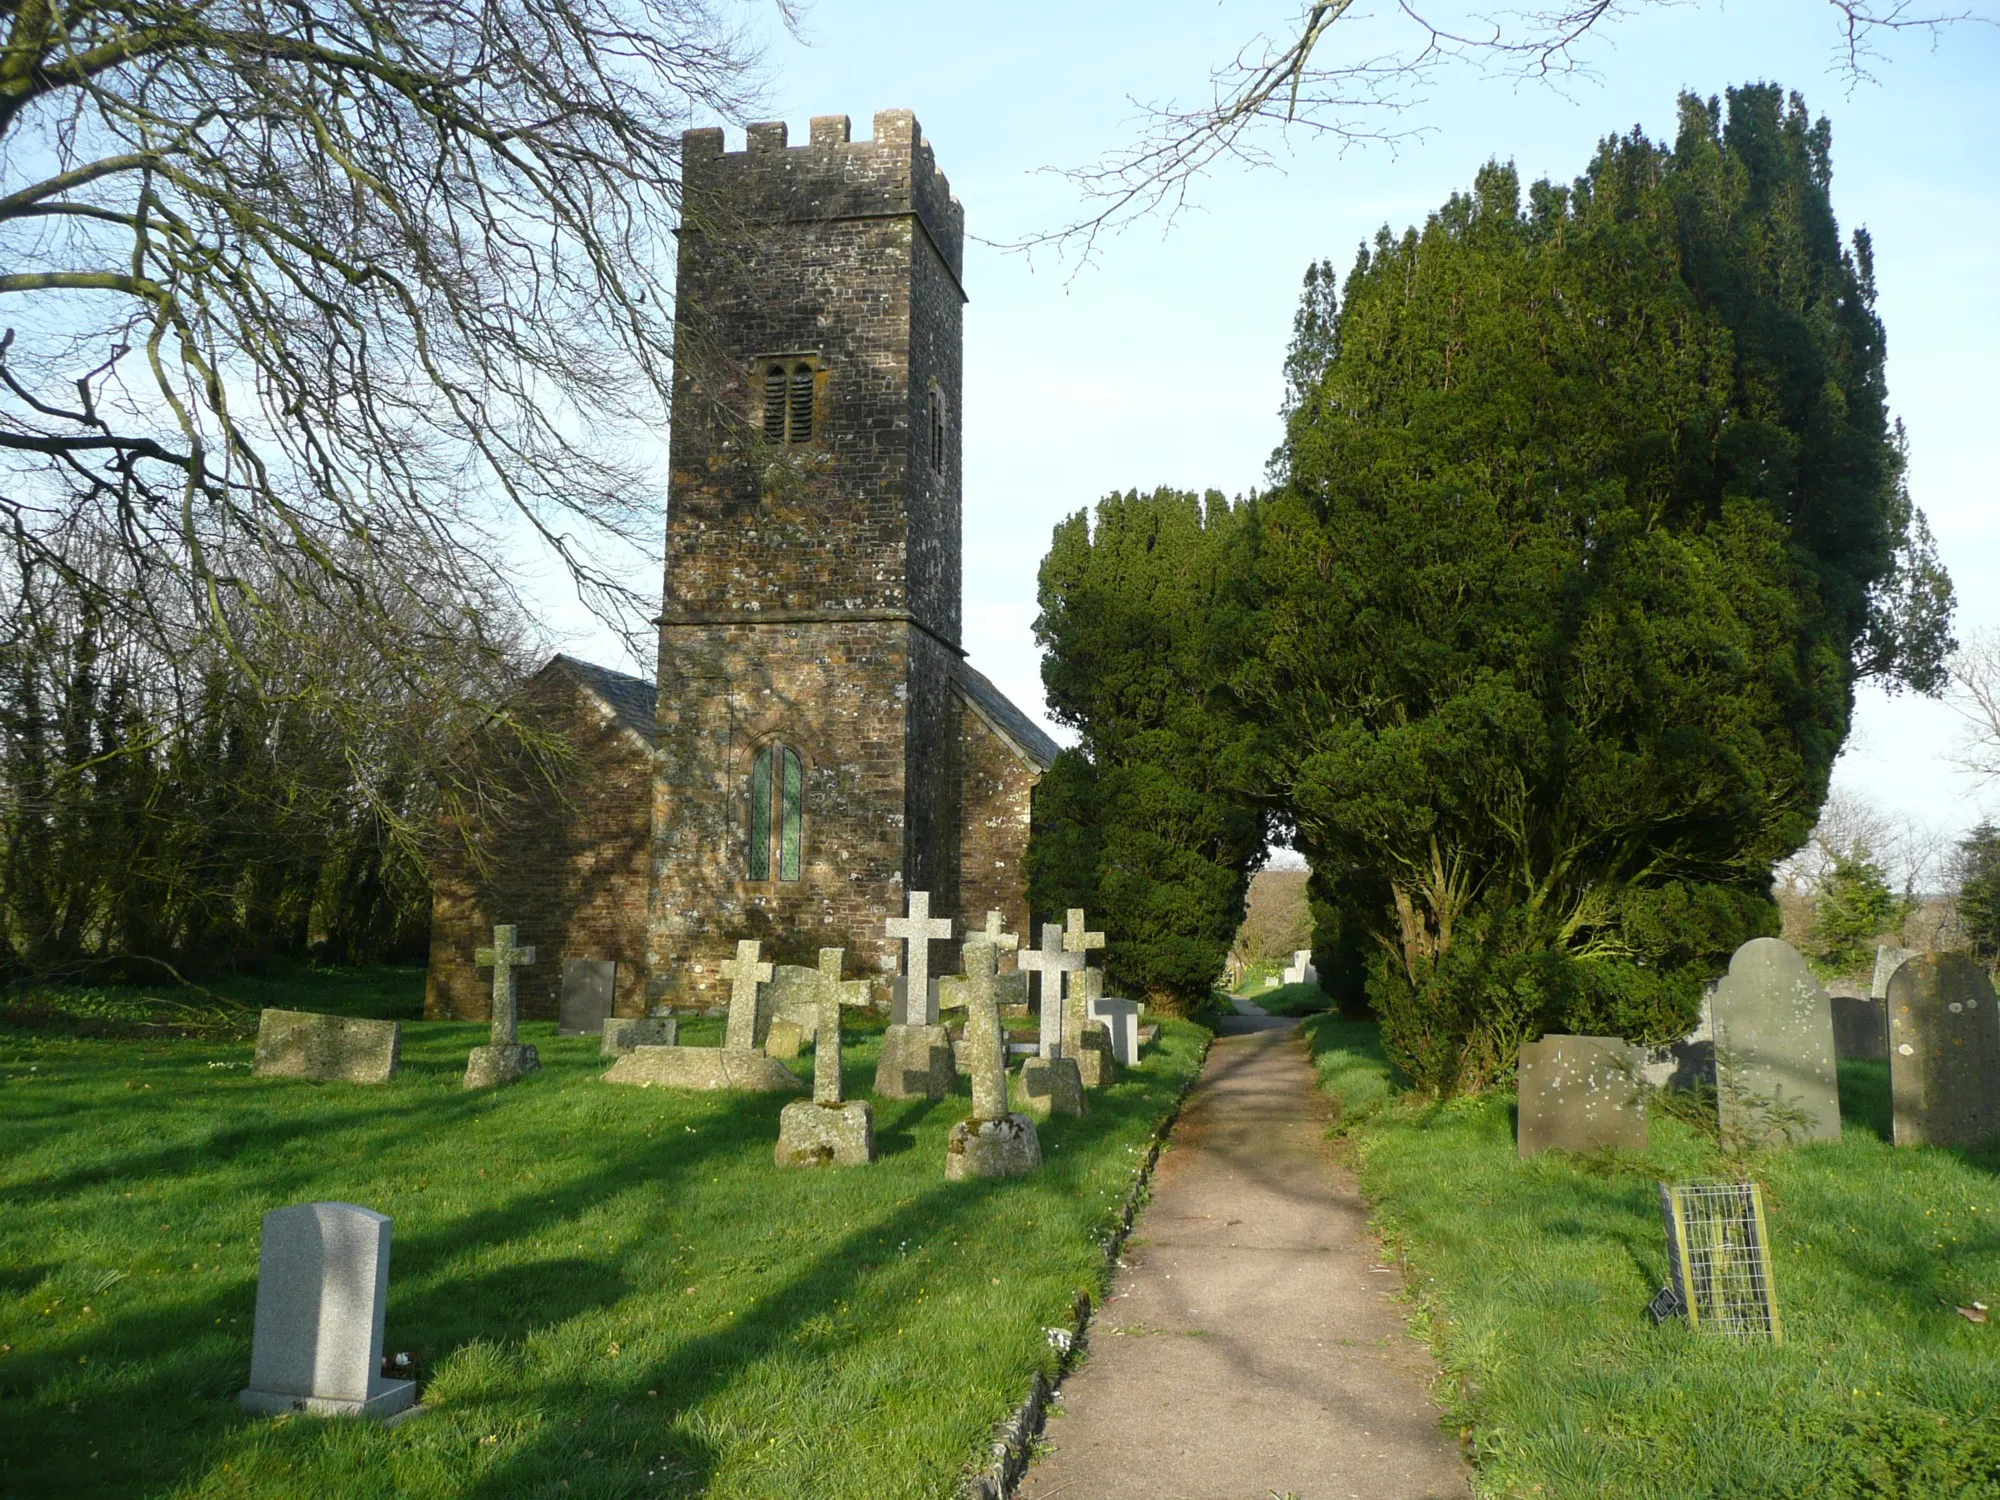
[
  {"x": 1301, "y": 970},
  {"x": 1944, "y": 1052},
  {"x": 829, "y": 1129},
  {"x": 1088, "y": 1041},
  {"x": 916, "y": 1052},
  {"x": 589, "y": 986},
  {"x": 783, "y": 1038},
  {"x": 1051, "y": 962},
  {"x": 326, "y": 1049},
  {"x": 1580, "y": 1093},
  {"x": 1047, "y": 1086},
  {"x": 795, "y": 991},
  {"x": 623, "y": 1033},
  {"x": 1888, "y": 959},
  {"x": 322, "y": 1286},
  {"x": 505, "y": 1059},
  {"x": 1860, "y": 1027},
  {"x": 1774, "y": 1060},
  {"x": 992, "y": 1142},
  {"x": 1121, "y": 1021},
  {"x": 736, "y": 1064}
]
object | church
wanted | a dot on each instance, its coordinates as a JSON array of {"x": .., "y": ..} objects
[{"x": 816, "y": 743}]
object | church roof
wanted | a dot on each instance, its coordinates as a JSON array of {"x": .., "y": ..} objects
[
  {"x": 632, "y": 699},
  {"x": 997, "y": 710}
]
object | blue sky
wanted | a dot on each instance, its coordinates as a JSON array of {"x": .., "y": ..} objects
[{"x": 1159, "y": 364}]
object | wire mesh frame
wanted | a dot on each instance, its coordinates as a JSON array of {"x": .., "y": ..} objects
[{"x": 1721, "y": 1258}]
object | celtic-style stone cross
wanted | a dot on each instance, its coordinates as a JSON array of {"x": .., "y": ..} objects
[
  {"x": 917, "y": 930},
  {"x": 1003, "y": 942},
  {"x": 744, "y": 974},
  {"x": 1053, "y": 962},
  {"x": 985, "y": 1043},
  {"x": 1075, "y": 939},
  {"x": 504, "y": 958}
]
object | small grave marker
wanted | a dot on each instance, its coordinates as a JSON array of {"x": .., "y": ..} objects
[
  {"x": 992, "y": 1142},
  {"x": 326, "y": 1049},
  {"x": 505, "y": 1059},
  {"x": 746, "y": 976}
]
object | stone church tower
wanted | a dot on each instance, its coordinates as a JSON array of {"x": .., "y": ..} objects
[{"x": 819, "y": 744}]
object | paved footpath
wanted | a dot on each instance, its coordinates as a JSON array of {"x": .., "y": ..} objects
[{"x": 1251, "y": 1347}]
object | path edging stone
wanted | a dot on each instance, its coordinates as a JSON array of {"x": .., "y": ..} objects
[{"x": 1014, "y": 1437}]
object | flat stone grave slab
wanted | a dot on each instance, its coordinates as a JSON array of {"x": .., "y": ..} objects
[
  {"x": 1580, "y": 1093},
  {"x": 326, "y": 1049},
  {"x": 623, "y": 1033},
  {"x": 588, "y": 988},
  {"x": 322, "y": 1287},
  {"x": 707, "y": 1068},
  {"x": 1944, "y": 1052},
  {"x": 1774, "y": 1058}
]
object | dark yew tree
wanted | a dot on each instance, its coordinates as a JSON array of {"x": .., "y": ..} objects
[
  {"x": 1592, "y": 523},
  {"x": 1145, "y": 824}
]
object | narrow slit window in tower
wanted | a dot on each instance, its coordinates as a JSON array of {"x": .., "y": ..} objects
[{"x": 937, "y": 430}]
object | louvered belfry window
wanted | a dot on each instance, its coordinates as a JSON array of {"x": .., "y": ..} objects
[
  {"x": 788, "y": 400},
  {"x": 777, "y": 785}
]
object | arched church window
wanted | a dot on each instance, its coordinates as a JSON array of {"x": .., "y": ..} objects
[
  {"x": 777, "y": 813},
  {"x": 789, "y": 397}
]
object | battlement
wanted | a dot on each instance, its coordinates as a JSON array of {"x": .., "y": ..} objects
[{"x": 831, "y": 176}]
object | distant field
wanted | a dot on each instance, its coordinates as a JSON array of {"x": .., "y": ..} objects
[
  {"x": 1531, "y": 1281},
  {"x": 610, "y": 1292}
]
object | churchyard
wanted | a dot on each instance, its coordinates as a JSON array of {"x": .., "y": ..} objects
[
  {"x": 1530, "y": 1278},
  {"x": 602, "y": 1290}
]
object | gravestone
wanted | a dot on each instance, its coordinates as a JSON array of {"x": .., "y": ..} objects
[
  {"x": 326, "y": 1049},
  {"x": 783, "y": 1039},
  {"x": 322, "y": 1286},
  {"x": 1301, "y": 970},
  {"x": 795, "y": 992},
  {"x": 1944, "y": 1052},
  {"x": 1047, "y": 1086},
  {"x": 1051, "y": 962},
  {"x": 589, "y": 986},
  {"x": 1121, "y": 1021},
  {"x": 1860, "y": 1028},
  {"x": 1005, "y": 944},
  {"x": 828, "y": 1129},
  {"x": 1075, "y": 939},
  {"x": 623, "y": 1033},
  {"x": 737, "y": 1064},
  {"x": 1011, "y": 989},
  {"x": 504, "y": 1060},
  {"x": 747, "y": 976},
  {"x": 992, "y": 1141},
  {"x": 1774, "y": 1060},
  {"x": 1087, "y": 1041},
  {"x": 1888, "y": 959},
  {"x": 1580, "y": 1093},
  {"x": 915, "y": 1061}
]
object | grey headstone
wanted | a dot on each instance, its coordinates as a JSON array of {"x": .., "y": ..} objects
[
  {"x": 1580, "y": 1093},
  {"x": 623, "y": 1033},
  {"x": 589, "y": 985},
  {"x": 1860, "y": 1028},
  {"x": 326, "y": 1049},
  {"x": 1774, "y": 1057},
  {"x": 795, "y": 992},
  {"x": 1888, "y": 959},
  {"x": 1095, "y": 1060},
  {"x": 1047, "y": 1086},
  {"x": 322, "y": 1287},
  {"x": 918, "y": 931},
  {"x": 708, "y": 1068},
  {"x": 1121, "y": 1019},
  {"x": 1944, "y": 1052},
  {"x": 915, "y": 1063}
]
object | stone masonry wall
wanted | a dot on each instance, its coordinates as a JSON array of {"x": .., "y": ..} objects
[
  {"x": 567, "y": 865},
  {"x": 998, "y": 786}
]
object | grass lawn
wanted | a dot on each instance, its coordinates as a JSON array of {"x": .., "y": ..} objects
[
  {"x": 610, "y": 1291},
  {"x": 1531, "y": 1281},
  {"x": 1288, "y": 999}
]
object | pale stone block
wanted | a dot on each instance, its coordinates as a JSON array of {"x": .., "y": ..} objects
[
  {"x": 1047, "y": 1086},
  {"x": 916, "y": 1063},
  {"x": 489, "y": 1067},
  {"x": 821, "y": 1135},
  {"x": 326, "y": 1049},
  {"x": 1121, "y": 1020},
  {"x": 783, "y": 1039},
  {"x": 1006, "y": 1147},
  {"x": 704, "y": 1068},
  {"x": 322, "y": 1287},
  {"x": 1095, "y": 1060}
]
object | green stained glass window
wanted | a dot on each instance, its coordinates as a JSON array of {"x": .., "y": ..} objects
[
  {"x": 760, "y": 815},
  {"x": 792, "y": 829}
]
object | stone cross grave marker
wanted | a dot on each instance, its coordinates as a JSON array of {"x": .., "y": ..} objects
[
  {"x": 1121, "y": 1019},
  {"x": 1075, "y": 939},
  {"x": 322, "y": 1286},
  {"x": 745, "y": 975},
  {"x": 1944, "y": 1052},
  {"x": 1052, "y": 962},
  {"x": 826, "y": 1046},
  {"x": 589, "y": 986},
  {"x": 1080, "y": 987},
  {"x": 916, "y": 932},
  {"x": 985, "y": 1041},
  {"x": 504, "y": 957},
  {"x": 1774, "y": 1056},
  {"x": 1003, "y": 942}
]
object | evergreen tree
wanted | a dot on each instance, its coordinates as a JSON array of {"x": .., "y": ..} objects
[
  {"x": 1979, "y": 891},
  {"x": 1856, "y": 908},
  {"x": 1591, "y": 526}
]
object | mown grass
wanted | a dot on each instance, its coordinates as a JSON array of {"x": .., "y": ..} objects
[
  {"x": 610, "y": 1291},
  {"x": 1531, "y": 1281},
  {"x": 225, "y": 1010},
  {"x": 1289, "y": 1000}
]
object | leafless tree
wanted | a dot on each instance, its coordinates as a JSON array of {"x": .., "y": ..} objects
[
  {"x": 321, "y": 307},
  {"x": 1303, "y": 76},
  {"x": 1974, "y": 691}
]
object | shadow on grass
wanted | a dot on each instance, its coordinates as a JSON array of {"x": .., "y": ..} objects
[{"x": 1864, "y": 1097}]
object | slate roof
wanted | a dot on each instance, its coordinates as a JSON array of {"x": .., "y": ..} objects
[
  {"x": 1017, "y": 726},
  {"x": 632, "y": 699}
]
